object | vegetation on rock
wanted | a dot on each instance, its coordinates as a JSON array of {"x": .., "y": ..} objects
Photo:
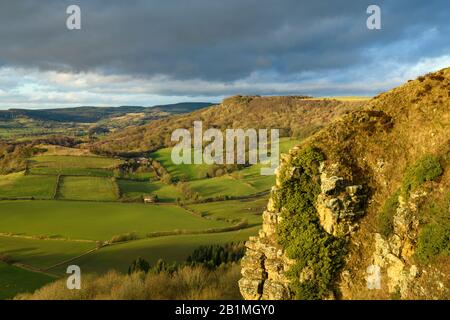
[
  {"x": 386, "y": 216},
  {"x": 318, "y": 255}
]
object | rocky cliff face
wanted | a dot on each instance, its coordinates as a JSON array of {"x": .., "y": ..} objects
[
  {"x": 384, "y": 191},
  {"x": 339, "y": 205},
  {"x": 265, "y": 263},
  {"x": 395, "y": 254}
]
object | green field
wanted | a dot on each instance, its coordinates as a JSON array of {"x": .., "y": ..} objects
[
  {"x": 73, "y": 165},
  {"x": 187, "y": 171},
  {"x": 87, "y": 188},
  {"x": 170, "y": 248},
  {"x": 74, "y": 162},
  {"x": 42, "y": 253},
  {"x": 252, "y": 176},
  {"x": 287, "y": 143},
  {"x": 199, "y": 171},
  {"x": 18, "y": 185},
  {"x": 132, "y": 189},
  {"x": 141, "y": 176},
  {"x": 14, "y": 280},
  {"x": 233, "y": 210},
  {"x": 222, "y": 186},
  {"x": 91, "y": 172},
  {"x": 94, "y": 220},
  {"x": 249, "y": 181}
]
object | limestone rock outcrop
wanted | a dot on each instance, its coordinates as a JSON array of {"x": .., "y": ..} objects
[
  {"x": 340, "y": 203},
  {"x": 394, "y": 255},
  {"x": 265, "y": 263}
]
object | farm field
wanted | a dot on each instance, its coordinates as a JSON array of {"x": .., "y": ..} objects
[
  {"x": 55, "y": 150},
  {"x": 132, "y": 189},
  {"x": 72, "y": 165},
  {"x": 15, "y": 280},
  {"x": 222, "y": 186},
  {"x": 18, "y": 185},
  {"x": 233, "y": 210},
  {"x": 95, "y": 220},
  {"x": 199, "y": 171},
  {"x": 170, "y": 248},
  {"x": 186, "y": 171},
  {"x": 58, "y": 161},
  {"x": 90, "y": 172},
  {"x": 87, "y": 188},
  {"x": 41, "y": 254},
  {"x": 141, "y": 176},
  {"x": 252, "y": 176}
]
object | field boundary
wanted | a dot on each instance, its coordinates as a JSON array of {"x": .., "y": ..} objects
[
  {"x": 30, "y": 268},
  {"x": 156, "y": 234},
  {"x": 229, "y": 198},
  {"x": 56, "y": 190},
  {"x": 71, "y": 259},
  {"x": 43, "y": 238},
  {"x": 116, "y": 188}
]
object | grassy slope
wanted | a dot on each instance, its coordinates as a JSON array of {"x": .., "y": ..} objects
[
  {"x": 15, "y": 280},
  {"x": 170, "y": 248},
  {"x": 233, "y": 210},
  {"x": 221, "y": 186},
  {"x": 42, "y": 253},
  {"x": 87, "y": 188},
  {"x": 189, "y": 171},
  {"x": 18, "y": 185},
  {"x": 95, "y": 221},
  {"x": 165, "y": 193},
  {"x": 74, "y": 162},
  {"x": 250, "y": 180},
  {"x": 72, "y": 165},
  {"x": 300, "y": 115}
]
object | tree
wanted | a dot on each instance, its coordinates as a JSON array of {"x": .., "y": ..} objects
[{"x": 139, "y": 265}]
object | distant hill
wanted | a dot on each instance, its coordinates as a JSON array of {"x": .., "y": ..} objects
[
  {"x": 88, "y": 114},
  {"x": 183, "y": 107},
  {"x": 296, "y": 117}
]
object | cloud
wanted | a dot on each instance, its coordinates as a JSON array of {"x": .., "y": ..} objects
[{"x": 206, "y": 48}]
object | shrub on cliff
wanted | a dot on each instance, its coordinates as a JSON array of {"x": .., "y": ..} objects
[
  {"x": 434, "y": 240},
  {"x": 425, "y": 169},
  {"x": 434, "y": 237},
  {"x": 386, "y": 217},
  {"x": 318, "y": 255}
]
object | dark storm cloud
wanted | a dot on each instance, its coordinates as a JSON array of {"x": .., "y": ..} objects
[{"x": 216, "y": 40}]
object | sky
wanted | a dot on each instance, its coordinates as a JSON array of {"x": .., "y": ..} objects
[{"x": 152, "y": 52}]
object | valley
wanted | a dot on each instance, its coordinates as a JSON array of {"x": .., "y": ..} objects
[
  {"x": 103, "y": 201},
  {"x": 70, "y": 205}
]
